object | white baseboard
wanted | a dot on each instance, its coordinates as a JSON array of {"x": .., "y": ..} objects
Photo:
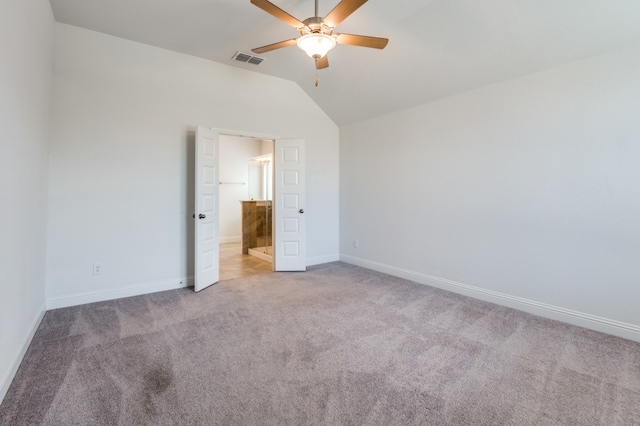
[
  {"x": 133, "y": 290},
  {"x": 317, "y": 260},
  {"x": 17, "y": 359},
  {"x": 225, "y": 240},
  {"x": 261, "y": 255},
  {"x": 581, "y": 319}
]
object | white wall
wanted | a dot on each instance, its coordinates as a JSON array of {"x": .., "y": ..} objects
[
  {"x": 121, "y": 169},
  {"x": 526, "y": 193},
  {"x": 266, "y": 147},
  {"x": 26, "y": 29},
  {"x": 234, "y": 167}
]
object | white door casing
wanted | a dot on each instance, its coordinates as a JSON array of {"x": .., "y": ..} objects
[
  {"x": 289, "y": 192},
  {"x": 207, "y": 261}
]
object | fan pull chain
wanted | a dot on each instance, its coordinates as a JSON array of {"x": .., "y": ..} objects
[{"x": 317, "y": 81}]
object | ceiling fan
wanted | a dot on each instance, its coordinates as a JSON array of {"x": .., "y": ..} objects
[{"x": 316, "y": 34}]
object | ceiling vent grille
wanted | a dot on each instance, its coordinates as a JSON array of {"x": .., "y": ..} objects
[{"x": 248, "y": 58}]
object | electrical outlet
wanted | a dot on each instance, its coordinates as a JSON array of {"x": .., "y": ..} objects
[
  {"x": 97, "y": 269},
  {"x": 355, "y": 243}
]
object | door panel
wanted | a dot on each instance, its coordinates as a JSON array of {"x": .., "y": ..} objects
[
  {"x": 289, "y": 192},
  {"x": 207, "y": 259}
]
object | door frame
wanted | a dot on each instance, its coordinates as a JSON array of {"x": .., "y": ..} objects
[{"x": 251, "y": 135}]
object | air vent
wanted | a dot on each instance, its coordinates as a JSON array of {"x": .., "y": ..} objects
[{"x": 246, "y": 57}]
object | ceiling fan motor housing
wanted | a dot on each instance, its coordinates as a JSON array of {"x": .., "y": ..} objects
[{"x": 315, "y": 25}]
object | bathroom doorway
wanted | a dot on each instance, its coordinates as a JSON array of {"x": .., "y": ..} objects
[
  {"x": 288, "y": 218},
  {"x": 245, "y": 206}
]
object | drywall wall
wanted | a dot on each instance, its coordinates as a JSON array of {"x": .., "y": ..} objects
[
  {"x": 121, "y": 164},
  {"x": 234, "y": 175},
  {"x": 526, "y": 191},
  {"x": 266, "y": 147},
  {"x": 26, "y": 30}
]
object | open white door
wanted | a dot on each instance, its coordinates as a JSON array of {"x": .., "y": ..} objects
[
  {"x": 289, "y": 242},
  {"x": 207, "y": 261}
]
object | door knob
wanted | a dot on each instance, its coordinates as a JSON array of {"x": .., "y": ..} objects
[
  {"x": 301, "y": 210},
  {"x": 201, "y": 216}
]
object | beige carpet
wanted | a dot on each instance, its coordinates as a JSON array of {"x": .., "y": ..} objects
[{"x": 337, "y": 345}]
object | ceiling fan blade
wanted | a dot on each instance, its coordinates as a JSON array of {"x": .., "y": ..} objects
[
  {"x": 342, "y": 11},
  {"x": 274, "y": 10},
  {"x": 274, "y": 46},
  {"x": 322, "y": 62},
  {"x": 364, "y": 41}
]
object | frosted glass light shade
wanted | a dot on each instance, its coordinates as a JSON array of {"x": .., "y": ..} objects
[{"x": 316, "y": 45}]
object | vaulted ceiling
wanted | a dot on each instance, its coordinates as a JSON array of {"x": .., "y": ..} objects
[{"x": 437, "y": 48}]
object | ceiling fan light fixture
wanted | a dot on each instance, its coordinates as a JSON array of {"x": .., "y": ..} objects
[{"x": 316, "y": 45}]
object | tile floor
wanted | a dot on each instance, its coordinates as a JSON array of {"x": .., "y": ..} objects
[{"x": 234, "y": 264}]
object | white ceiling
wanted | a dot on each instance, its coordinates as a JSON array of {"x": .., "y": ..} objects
[{"x": 437, "y": 48}]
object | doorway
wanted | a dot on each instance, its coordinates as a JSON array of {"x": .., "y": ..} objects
[
  {"x": 288, "y": 223},
  {"x": 245, "y": 206}
]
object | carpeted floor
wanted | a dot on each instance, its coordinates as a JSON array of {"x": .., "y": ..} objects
[{"x": 337, "y": 345}]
